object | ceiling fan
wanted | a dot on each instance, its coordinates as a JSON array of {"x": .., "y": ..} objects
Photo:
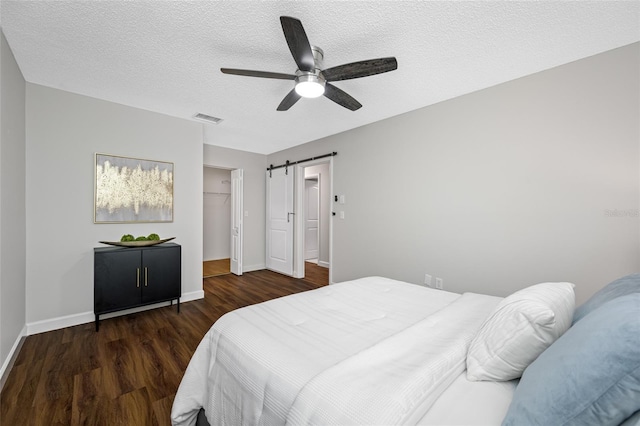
[{"x": 311, "y": 80}]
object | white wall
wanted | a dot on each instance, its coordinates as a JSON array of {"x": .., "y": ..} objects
[
  {"x": 64, "y": 131},
  {"x": 216, "y": 227},
  {"x": 254, "y": 166},
  {"x": 498, "y": 189},
  {"x": 12, "y": 205}
]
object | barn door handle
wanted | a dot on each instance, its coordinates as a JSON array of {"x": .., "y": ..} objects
[{"x": 288, "y": 216}]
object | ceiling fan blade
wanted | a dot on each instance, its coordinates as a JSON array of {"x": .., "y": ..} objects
[
  {"x": 360, "y": 69},
  {"x": 263, "y": 74},
  {"x": 288, "y": 101},
  {"x": 341, "y": 97},
  {"x": 298, "y": 43}
]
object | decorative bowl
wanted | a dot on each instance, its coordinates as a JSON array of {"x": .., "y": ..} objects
[{"x": 143, "y": 243}]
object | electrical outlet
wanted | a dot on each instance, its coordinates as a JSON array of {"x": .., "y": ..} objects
[
  {"x": 427, "y": 279},
  {"x": 439, "y": 283}
]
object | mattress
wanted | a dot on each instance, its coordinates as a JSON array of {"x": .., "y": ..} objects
[
  {"x": 467, "y": 403},
  {"x": 398, "y": 346}
]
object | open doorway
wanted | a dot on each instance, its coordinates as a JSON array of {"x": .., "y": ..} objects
[
  {"x": 216, "y": 222},
  {"x": 316, "y": 220},
  {"x": 311, "y": 218}
]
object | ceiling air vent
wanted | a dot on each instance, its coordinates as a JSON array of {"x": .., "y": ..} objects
[{"x": 207, "y": 118}]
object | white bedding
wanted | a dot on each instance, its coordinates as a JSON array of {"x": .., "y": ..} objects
[
  {"x": 287, "y": 360},
  {"x": 467, "y": 403}
]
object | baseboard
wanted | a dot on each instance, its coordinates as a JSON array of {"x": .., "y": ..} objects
[
  {"x": 11, "y": 358},
  {"x": 194, "y": 295},
  {"x": 323, "y": 264},
  {"x": 43, "y": 326},
  {"x": 86, "y": 317},
  {"x": 251, "y": 268}
]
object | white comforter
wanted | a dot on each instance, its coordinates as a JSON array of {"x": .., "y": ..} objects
[{"x": 369, "y": 351}]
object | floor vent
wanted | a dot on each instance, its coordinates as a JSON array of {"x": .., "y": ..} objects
[{"x": 207, "y": 118}]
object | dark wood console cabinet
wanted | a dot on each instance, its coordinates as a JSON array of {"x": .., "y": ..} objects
[{"x": 128, "y": 277}]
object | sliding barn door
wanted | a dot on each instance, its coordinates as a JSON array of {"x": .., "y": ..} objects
[{"x": 280, "y": 220}]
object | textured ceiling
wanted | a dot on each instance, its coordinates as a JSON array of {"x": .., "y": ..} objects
[{"x": 166, "y": 56}]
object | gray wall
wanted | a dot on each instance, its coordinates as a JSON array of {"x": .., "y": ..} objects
[
  {"x": 499, "y": 189},
  {"x": 12, "y": 203},
  {"x": 64, "y": 131},
  {"x": 254, "y": 166}
]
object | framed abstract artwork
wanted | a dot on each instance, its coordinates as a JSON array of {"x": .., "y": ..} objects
[{"x": 132, "y": 190}]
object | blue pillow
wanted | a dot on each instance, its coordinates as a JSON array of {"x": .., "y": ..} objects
[
  {"x": 634, "y": 420},
  {"x": 589, "y": 376},
  {"x": 620, "y": 287}
]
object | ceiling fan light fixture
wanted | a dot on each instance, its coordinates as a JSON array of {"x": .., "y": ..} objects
[
  {"x": 311, "y": 77},
  {"x": 309, "y": 86}
]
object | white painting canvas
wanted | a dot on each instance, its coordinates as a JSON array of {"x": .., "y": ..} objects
[{"x": 132, "y": 190}]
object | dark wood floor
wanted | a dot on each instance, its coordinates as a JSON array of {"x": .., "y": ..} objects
[{"x": 129, "y": 371}]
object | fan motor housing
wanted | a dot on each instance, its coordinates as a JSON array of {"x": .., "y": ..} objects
[
  {"x": 318, "y": 57},
  {"x": 310, "y": 84}
]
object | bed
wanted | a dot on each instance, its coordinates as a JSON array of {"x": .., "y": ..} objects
[{"x": 380, "y": 351}]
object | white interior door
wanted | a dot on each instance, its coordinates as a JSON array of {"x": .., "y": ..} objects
[
  {"x": 280, "y": 217},
  {"x": 311, "y": 218},
  {"x": 237, "y": 191}
]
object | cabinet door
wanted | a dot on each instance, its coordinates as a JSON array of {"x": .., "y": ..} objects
[
  {"x": 117, "y": 280},
  {"x": 161, "y": 274}
]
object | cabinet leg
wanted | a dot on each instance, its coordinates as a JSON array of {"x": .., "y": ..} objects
[
  {"x": 97, "y": 323},
  {"x": 178, "y": 305}
]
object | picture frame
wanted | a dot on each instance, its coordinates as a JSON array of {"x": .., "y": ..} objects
[{"x": 132, "y": 190}]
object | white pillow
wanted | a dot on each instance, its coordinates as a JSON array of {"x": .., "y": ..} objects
[{"x": 519, "y": 329}]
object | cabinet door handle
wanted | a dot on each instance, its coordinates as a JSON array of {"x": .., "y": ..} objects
[
  {"x": 145, "y": 276},
  {"x": 138, "y": 277}
]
